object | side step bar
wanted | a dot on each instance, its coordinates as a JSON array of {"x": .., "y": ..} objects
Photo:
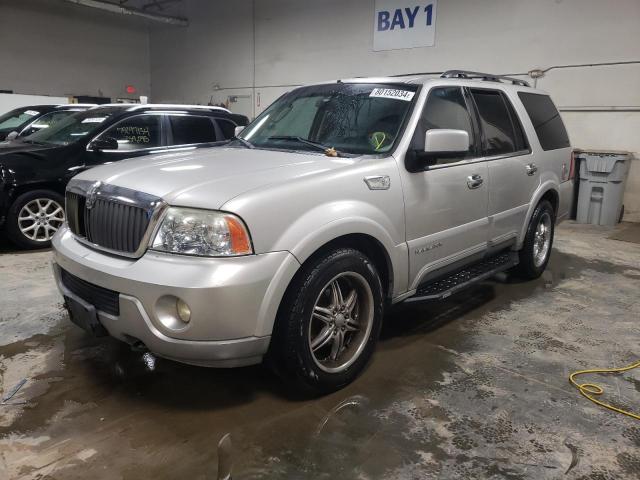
[{"x": 444, "y": 287}]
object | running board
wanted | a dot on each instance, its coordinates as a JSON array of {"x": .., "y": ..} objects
[{"x": 444, "y": 287}]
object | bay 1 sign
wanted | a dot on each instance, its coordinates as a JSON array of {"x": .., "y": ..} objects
[{"x": 404, "y": 24}]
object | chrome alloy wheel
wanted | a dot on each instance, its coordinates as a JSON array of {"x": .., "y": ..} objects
[
  {"x": 542, "y": 239},
  {"x": 341, "y": 322},
  {"x": 39, "y": 219}
]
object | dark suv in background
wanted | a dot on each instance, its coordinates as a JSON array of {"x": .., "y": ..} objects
[
  {"x": 34, "y": 170},
  {"x": 24, "y": 121}
]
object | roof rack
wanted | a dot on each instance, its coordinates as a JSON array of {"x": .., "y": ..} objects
[
  {"x": 79, "y": 105},
  {"x": 138, "y": 106},
  {"x": 489, "y": 77}
]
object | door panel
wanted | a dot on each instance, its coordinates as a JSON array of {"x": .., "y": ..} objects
[
  {"x": 446, "y": 219},
  {"x": 512, "y": 172},
  {"x": 446, "y": 206},
  {"x": 510, "y": 191}
]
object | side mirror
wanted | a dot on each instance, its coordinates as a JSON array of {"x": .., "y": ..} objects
[
  {"x": 438, "y": 143},
  {"x": 12, "y": 136},
  {"x": 446, "y": 142},
  {"x": 106, "y": 143},
  {"x": 237, "y": 130}
]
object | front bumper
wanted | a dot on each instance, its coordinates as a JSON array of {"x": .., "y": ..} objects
[{"x": 233, "y": 301}]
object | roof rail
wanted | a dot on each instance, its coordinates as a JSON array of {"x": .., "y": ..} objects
[
  {"x": 74, "y": 105},
  {"x": 139, "y": 106},
  {"x": 489, "y": 77}
]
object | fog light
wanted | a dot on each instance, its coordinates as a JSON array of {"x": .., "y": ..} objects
[
  {"x": 184, "y": 312},
  {"x": 173, "y": 313}
]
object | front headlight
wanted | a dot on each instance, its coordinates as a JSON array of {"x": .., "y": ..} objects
[{"x": 202, "y": 232}]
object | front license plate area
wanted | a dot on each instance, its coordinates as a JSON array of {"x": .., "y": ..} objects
[{"x": 85, "y": 316}]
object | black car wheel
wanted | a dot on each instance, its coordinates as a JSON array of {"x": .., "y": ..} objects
[
  {"x": 329, "y": 322},
  {"x": 34, "y": 218}
]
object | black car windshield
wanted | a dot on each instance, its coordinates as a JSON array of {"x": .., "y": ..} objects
[
  {"x": 73, "y": 127},
  {"x": 47, "y": 120},
  {"x": 17, "y": 118},
  {"x": 354, "y": 118}
]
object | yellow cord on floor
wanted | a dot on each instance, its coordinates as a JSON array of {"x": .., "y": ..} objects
[{"x": 588, "y": 389}]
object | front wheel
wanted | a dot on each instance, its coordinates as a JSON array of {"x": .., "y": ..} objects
[
  {"x": 34, "y": 217},
  {"x": 329, "y": 322},
  {"x": 538, "y": 241}
]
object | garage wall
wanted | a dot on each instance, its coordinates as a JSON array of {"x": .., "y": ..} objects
[
  {"x": 48, "y": 47},
  {"x": 300, "y": 41}
]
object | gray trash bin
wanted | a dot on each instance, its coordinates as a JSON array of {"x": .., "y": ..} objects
[{"x": 602, "y": 179}]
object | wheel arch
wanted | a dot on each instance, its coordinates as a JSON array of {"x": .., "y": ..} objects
[
  {"x": 547, "y": 191},
  {"x": 369, "y": 246},
  {"x": 21, "y": 189}
]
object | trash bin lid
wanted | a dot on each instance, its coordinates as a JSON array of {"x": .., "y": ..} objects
[{"x": 602, "y": 161}]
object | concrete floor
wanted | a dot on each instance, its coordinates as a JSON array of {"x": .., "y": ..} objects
[{"x": 474, "y": 387}]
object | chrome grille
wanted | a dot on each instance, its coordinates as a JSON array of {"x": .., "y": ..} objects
[
  {"x": 111, "y": 218},
  {"x": 115, "y": 226}
]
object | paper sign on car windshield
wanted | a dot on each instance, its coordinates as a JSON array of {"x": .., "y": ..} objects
[{"x": 393, "y": 93}]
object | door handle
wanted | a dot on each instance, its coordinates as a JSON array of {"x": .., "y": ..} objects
[
  {"x": 531, "y": 169},
  {"x": 474, "y": 181}
]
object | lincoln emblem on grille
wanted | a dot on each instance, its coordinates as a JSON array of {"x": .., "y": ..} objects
[{"x": 92, "y": 193}]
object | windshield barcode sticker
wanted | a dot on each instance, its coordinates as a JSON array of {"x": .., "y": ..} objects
[
  {"x": 94, "y": 120},
  {"x": 392, "y": 93},
  {"x": 31, "y": 113}
]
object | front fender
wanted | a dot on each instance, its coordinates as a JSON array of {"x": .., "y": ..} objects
[{"x": 320, "y": 226}]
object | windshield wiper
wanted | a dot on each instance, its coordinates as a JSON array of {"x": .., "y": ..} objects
[
  {"x": 244, "y": 142},
  {"x": 328, "y": 151}
]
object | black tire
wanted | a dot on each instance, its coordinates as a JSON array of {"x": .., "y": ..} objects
[
  {"x": 529, "y": 267},
  {"x": 291, "y": 353},
  {"x": 13, "y": 230}
]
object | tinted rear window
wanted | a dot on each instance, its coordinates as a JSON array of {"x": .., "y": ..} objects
[
  {"x": 546, "y": 120},
  {"x": 500, "y": 135},
  {"x": 187, "y": 130}
]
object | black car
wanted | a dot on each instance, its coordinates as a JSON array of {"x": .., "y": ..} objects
[
  {"x": 34, "y": 170},
  {"x": 24, "y": 121}
]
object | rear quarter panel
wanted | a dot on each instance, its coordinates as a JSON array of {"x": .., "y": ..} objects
[{"x": 553, "y": 166}]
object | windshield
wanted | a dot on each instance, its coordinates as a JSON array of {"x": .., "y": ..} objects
[
  {"x": 46, "y": 120},
  {"x": 16, "y": 118},
  {"x": 356, "y": 118},
  {"x": 72, "y": 128}
]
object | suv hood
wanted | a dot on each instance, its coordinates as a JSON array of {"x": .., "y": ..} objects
[{"x": 208, "y": 178}]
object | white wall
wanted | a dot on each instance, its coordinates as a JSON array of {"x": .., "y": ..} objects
[
  {"x": 11, "y": 101},
  {"x": 301, "y": 41},
  {"x": 49, "y": 47}
]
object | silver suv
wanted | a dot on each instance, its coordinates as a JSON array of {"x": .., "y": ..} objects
[{"x": 289, "y": 242}]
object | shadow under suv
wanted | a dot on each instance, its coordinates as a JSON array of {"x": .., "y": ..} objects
[{"x": 34, "y": 170}]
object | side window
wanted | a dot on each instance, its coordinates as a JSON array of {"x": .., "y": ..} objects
[
  {"x": 188, "y": 129},
  {"x": 546, "y": 120},
  {"x": 135, "y": 133},
  {"x": 228, "y": 128},
  {"x": 445, "y": 108},
  {"x": 500, "y": 135},
  {"x": 521, "y": 138}
]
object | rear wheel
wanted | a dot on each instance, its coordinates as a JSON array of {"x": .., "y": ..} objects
[
  {"x": 34, "y": 218},
  {"x": 538, "y": 241},
  {"x": 329, "y": 322}
]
